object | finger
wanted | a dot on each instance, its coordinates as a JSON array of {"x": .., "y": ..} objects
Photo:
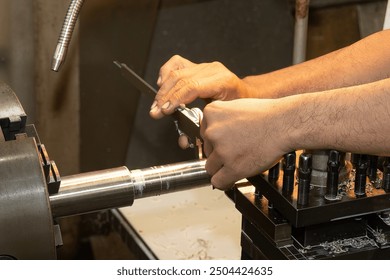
[
  {"x": 183, "y": 141},
  {"x": 213, "y": 164},
  {"x": 155, "y": 112},
  {"x": 166, "y": 86},
  {"x": 223, "y": 179},
  {"x": 184, "y": 85},
  {"x": 207, "y": 148},
  {"x": 176, "y": 62},
  {"x": 171, "y": 64},
  {"x": 167, "y": 100},
  {"x": 207, "y": 145},
  {"x": 179, "y": 90}
]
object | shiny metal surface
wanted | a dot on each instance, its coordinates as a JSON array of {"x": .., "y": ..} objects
[
  {"x": 26, "y": 223},
  {"x": 320, "y": 167},
  {"x": 93, "y": 191},
  {"x": 12, "y": 115},
  {"x": 118, "y": 187},
  {"x": 169, "y": 178},
  {"x": 66, "y": 34}
]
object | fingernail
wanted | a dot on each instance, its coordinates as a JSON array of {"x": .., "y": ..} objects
[
  {"x": 154, "y": 110},
  {"x": 153, "y": 105},
  {"x": 166, "y": 105},
  {"x": 159, "y": 80}
]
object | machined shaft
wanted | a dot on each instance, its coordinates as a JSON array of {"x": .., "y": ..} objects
[{"x": 119, "y": 187}]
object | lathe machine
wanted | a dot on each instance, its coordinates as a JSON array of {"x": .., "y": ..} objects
[
  {"x": 33, "y": 195},
  {"x": 313, "y": 205}
]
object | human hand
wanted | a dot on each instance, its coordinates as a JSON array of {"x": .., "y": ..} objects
[
  {"x": 242, "y": 138},
  {"x": 182, "y": 81}
]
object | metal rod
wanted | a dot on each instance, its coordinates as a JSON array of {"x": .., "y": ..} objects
[
  {"x": 66, "y": 34},
  {"x": 304, "y": 177},
  {"x": 332, "y": 178},
  {"x": 361, "y": 175},
  {"x": 118, "y": 187},
  {"x": 300, "y": 30}
]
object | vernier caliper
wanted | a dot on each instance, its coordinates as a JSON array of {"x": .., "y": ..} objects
[{"x": 187, "y": 120}]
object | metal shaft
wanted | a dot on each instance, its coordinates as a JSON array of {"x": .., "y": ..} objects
[
  {"x": 300, "y": 30},
  {"x": 386, "y": 174},
  {"x": 332, "y": 181},
  {"x": 361, "y": 175},
  {"x": 118, "y": 187},
  {"x": 289, "y": 160},
  {"x": 304, "y": 176}
]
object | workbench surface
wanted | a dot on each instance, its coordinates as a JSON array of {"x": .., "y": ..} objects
[{"x": 194, "y": 224}]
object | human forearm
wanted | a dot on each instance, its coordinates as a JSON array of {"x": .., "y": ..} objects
[
  {"x": 353, "y": 119},
  {"x": 362, "y": 62}
]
